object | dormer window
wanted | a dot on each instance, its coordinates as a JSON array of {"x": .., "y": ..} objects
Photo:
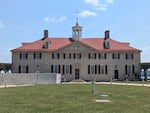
[
  {"x": 106, "y": 44},
  {"x": 106, "y": 40},
  {"x": 46, "y": 45},
  {"x": 45, "y": 40}
]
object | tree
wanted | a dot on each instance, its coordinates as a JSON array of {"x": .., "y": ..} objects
[{"x": 5, "y": 67}]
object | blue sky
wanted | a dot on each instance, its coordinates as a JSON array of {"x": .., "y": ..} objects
[{"x": 25, "y": 20}]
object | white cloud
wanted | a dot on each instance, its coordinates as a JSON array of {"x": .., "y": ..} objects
[
  {"x": 109, "y": 1},
  {"x": 46, "y": 19},
  {"x": 54, "y": 19},
  {"x": 97, "y": 4},
  {"x": 1, "y": 25},
  {"x": 93, "y": 2},
  {"x": 49, "y": 19},
  {"x": 87, "y": 13},
  {"x": 102, "y": 7},
  {"x": 62, "y": 18}
]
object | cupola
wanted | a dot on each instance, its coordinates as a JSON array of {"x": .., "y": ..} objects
[{"x": 76, "y": 31}]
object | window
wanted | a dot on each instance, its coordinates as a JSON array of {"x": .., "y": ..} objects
[
  {"x": 102, "y": 56},
  {"x": 68, "y": 69},
  {"x": 92, "y": 69},
  {"x": 67, "y": 56},
  {"x": 77, "y": 55},
  {"x": 23, "y": 69},
  {"x": 106, "y": 44},
  {"x": 102, "y": 69},
  {"x": 74, "y": 33},
  {"x": 128, "y": 69},
  {"x": 37, "y": 55},
  {"x": 133, "y": 69},
  {"x": 55, "y": 55},
  {"x": 97, "y": 69},
  {"x": 55, "y": 69},
  {"x": 116, "y": 56},
  {"x": 76, "y": 47},
  {"x": 129, "y": 56},
  {"x": 23, "y": 55},
  {"x": 46, "y": 45},
  {"x": 92, "y": 55},
  {"x": 132, "y": 56}
]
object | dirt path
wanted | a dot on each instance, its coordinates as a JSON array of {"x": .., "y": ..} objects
[{"x": 109, "y": 83}]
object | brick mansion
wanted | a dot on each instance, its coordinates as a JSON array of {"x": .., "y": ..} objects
[{"x": 99, "y": 58}]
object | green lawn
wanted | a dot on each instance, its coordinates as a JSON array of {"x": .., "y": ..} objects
[{"x": 71, "y": 98}]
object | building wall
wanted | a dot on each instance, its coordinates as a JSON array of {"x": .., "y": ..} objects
[{"x": 44, "y": 64}]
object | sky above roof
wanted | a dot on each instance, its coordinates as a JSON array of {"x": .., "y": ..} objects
[{"x": 25, "y": 20}]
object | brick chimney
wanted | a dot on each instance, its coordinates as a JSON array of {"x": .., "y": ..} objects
[
  {"x": 107, "y": 34},
  {"x": 45, "y": 34}
]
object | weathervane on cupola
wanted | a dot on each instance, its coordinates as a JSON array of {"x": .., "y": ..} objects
[
  {"x": 76, "y": 30},
  {"x": 77, "y": 18}
]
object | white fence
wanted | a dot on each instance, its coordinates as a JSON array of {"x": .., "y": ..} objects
[{"x": 29, "y": 78}]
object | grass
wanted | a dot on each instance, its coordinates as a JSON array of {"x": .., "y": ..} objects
[{"x": 71, "y": 98}]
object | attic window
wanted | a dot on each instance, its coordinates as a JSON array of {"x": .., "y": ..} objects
[
  {"x": 76, "y": 47},
  {"x": 46, "y": 45}
]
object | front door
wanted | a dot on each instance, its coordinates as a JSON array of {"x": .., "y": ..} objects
[
  {"x": 77, "y": 73},
  {"x": 116, "y": 74}
]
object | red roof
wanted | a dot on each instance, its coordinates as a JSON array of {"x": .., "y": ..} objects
[{"x": 58, "y": 43}]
